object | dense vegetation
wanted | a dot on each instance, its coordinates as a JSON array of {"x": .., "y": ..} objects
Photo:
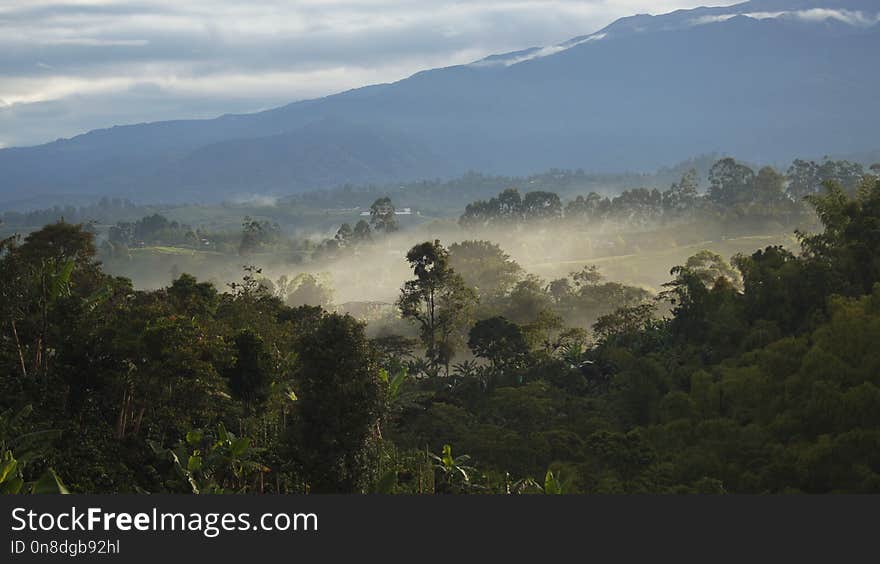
[
  {"x": 759, "y": 375},
  {"x": 734, "y": 190}
]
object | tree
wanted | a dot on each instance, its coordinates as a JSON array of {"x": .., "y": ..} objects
[
  {"x": 586, "y": 277},
  {"x": 730, "y": 182},
  {"x": 682, "y": 196},
  {"x": 777, "y": 287},
  {"x": 541, "y": 205},
  {"x": 344, "y": 235},
  {"x": 250, "y": 236},
  {"x": 476, "y": 214},
  {"x": 709, "y": 267},
  {"x": 806, "y": 178},
  {"x": 14, "y": 295},
  {"x": 850, "y": 243},
  {"x": 560, "y": 289},
  {"x": 847, "y": 174},
  {"x": 121, "y": 234},
  {"x": 527, "y": 300},
  {"x": 54, "y": 263},
  {"x": 499, "y": 341},
  {"x": 545, "y": 332},
  {"x": 768, "y": 186},
  {"x": 362, "y": 232},
  {"x": 437, "y": 299},
  {"x": 249, "y": 377},
  {"x": 639, "y": 206},
  {"x": 484, "y": 267},
  {"x": 508, "y": 206},
  {"x": 193, "y": 297},
  {"x": 803, "y": 179},
  {"x": 591, "y": 208},
  {"x": 257, "y": 234},
  {"x": 61, "y": 242},
  {"x": 382, "y": 215},
  {"x": 625, "y": 320},
  {"x": 306, "y": 289},
  {"x": 339, "y": 405}
]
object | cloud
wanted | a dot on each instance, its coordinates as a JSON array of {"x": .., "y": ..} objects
[
  {"x": 72, "y": 65},
  {"x": 537, "y": 53},
  {"x": 856, "y": 18},
  {"x": 724, "y": 17},
  {"x": 846, "y": 16}
]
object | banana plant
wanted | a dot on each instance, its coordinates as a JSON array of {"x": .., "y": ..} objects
[
  {"x": 17, "y": 450},
  {"x": 454, "y": 470},
  {"x": 524, "y": 486},
  {"x": 223, "y": 464},
  {"x": 394, "y": 383},
  {"x": 573, "y": 354},
  {"x": 466, "y": 369},
  {"x": 400, "y": 396},
  {"x": 421, "y": 368},
  {"x": 551, "y": 486},
  {"x": 58, "y": 277}
]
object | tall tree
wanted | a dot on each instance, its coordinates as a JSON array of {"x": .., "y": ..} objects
[
  {"x": 382, "y": 215},
  {"x": 437, "y": 299},
  {"x": 803, "y": 179},
  {"x": 850, "y": 243},
  {"x": 250, "y": 377},
  {"x": 344, "y": 235},
  {"x": 499, "y": 341},
  {"x": 730, "y": 182},
  {"x": 484, "y": 267},
  {"x": 50, "y": 264},
  {"x": 807, "y": 177},
  {"x": 710, "y": 266},
  {"x": 590, "y": 208},
  {"x": 339, "y": 406},
  {"x": 768, "y": 186},
  {"x": 682, "y": 196},
  {"x": 541, "y": 205},
  {"x": 508, "y": 206},
  {"x": 256, "y": 234},
  {"x": 362, "y": 232},
  {"x": 306, "y": 289}
]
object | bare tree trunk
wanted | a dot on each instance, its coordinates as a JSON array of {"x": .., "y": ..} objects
[
  {"x": 38, "y": 361},
  {"x": 140, "y": 417},
  {"x": 18, "y": 347},
  {"x": 120, "y": 423},
  {"x": 44, "y": 330}
]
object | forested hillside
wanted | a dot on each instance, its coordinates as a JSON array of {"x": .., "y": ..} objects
[{"x": 755, "y": 375}]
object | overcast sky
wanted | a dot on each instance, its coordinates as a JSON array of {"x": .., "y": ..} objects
[{"x": 70, "y": 66}]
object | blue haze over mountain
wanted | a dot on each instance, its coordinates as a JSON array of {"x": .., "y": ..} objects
[{"x": 767, "y": 80}]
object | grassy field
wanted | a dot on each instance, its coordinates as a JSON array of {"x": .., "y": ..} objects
[{"x": 651, "y": 268}]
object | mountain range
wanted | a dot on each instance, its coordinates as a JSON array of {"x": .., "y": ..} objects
[{"x": 765, "y": 81}]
